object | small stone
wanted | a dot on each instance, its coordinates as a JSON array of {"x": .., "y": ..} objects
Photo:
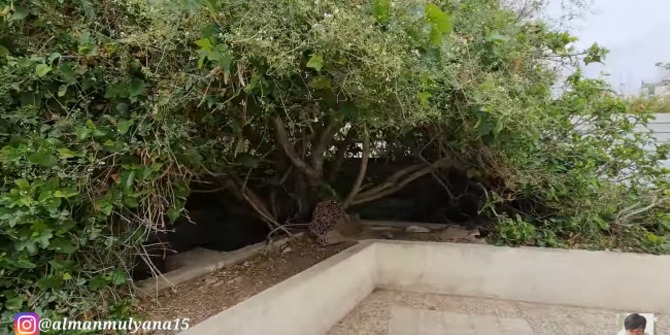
[
  {"x": 388, "y": 235},
  {"x": 211, "y": 280},
  {"x": 234, "y": 280},
  {"x": 417, "y": 229},
  {"x": 458, "y": 234},
  {"x": 455, "y": 233},
  {"x": 287, "y": 250},
  {"x": 333, "y": 237}
]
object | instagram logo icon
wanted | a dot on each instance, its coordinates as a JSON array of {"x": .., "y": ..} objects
[{"x": 26, "y": 324}]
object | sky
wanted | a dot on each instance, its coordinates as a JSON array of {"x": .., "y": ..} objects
[{"x": 636, "y": 33}]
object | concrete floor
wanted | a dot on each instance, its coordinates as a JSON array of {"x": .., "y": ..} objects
[{"x": 406, "y": 313}]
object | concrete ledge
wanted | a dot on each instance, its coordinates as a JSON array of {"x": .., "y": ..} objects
[
  {"x": 403, "y": 224},
  {"x": 309, "y": 303},
  {"x": 312, "y": 302},
  {"x": 198, "y": 262},
  {"x": 596, "y": 279}
]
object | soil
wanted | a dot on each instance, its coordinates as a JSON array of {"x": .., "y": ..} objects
[
  {"x": 202, "y": 297},
  {"x": 207, "y": 295}
]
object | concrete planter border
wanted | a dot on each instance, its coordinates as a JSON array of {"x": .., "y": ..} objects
[
  {"x": 199, "y": 261},
  {"x": 313, "y": 301}
]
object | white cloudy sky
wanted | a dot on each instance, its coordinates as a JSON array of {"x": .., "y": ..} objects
[{"x": 637, "y": 33}]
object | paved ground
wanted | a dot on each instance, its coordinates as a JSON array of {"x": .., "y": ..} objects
[
  {"x": 415, "y": 321},
  {"x": 406, "y": 313}
]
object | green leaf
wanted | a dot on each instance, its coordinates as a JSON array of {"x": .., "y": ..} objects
[
  {"x": 4, "y": 52},
  {"x": 25, "y": 264},
  {"x": 82, "y": 132},
  {"x": 118, "y": 277},
  {"x": 320, "y": 83},
  {"x": 424, "y": 98},
  {"x": 204, "y": 43},
  {"x": 53, "y": 204},
  {"x": 122, "y": 107},
  {"x": 15, "y": 303},
  {"x": 435, "y": 37},
  {"x": 65, "y": 153},
  {"x": 173, "y": 214},
  {"x": 127, "y": 180},
  {"x": 595, "y": 54},
  {"x": 124, "y": 125},
  {"x": 101, "y": 132},
  {"x": 50, "y": 282},
  {"x": 62, "y": 90},
  {"x": 136, "y": 87},
  {"x": 484, "y": 126},
  {"x": 67, "y": 276},
  {"x": 97, "y": 283},
  {"x": 438, "y": 18},
  {"x": 62, "y": 244},
  {"x": 42, "y": 69},
  {"x": 59, "y": 264},
  {"x": 131, "y": 202},
  {"x": 226, "y": 61},
  {"x": 499, "y": 127},
  {"x": 87, "y": 45},
  {"x": 107, "y": 208},
  {"x": 54, "y": 56},
  {"x": 155, "y": 167},
  {"x": 253, "y": 83},
  {"x": 382, "y": 10},
  {"x": 315, "y": 62},
  {"x": 44, "y": 238},
  {"x": 181, "y": 190},
  {"x": 43, "y": 159},
  {"x": 20, "y": 12},
  {"x": 22, "y": 184},
  {"x": 65, "y": 194},
  {"x": 29, "y": 246},
  {"x": 115, "y": 90},
  {"x": 193, "y": 157}
]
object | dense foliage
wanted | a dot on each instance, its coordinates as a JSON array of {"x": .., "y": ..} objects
[{"x": 111, "y": 108}]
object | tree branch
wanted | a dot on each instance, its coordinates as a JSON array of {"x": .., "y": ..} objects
[
  {"x": 321, "y": 143},
  {"x": 627, "y": 213},
  {"x": 391, "y": 186},
  {"x": 361, "y": 172},
  {"x": 255, "y": 202},
  {"x": 284, "y": 142},
  {"x": 390, "y": 181},
  {"x": 341, "y": 147}
]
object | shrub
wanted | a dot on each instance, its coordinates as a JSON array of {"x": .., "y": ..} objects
[{"x": 111, "y": 109}]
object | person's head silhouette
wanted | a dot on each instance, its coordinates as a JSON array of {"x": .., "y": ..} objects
[{"x": 635, "y": 324}]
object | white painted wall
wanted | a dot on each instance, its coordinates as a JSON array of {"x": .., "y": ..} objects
[
  {"x": 660, "y": 127},
  {"x": 661, "y": 130}
]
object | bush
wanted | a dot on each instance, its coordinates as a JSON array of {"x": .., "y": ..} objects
[
  {"x": 90, "y": 154},
  {"x": 112, "y": 109}
]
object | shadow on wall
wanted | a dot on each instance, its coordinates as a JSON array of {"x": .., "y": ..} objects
[
  {"x": 455, "y": 198},
  {"x": 217, "y": 221}
]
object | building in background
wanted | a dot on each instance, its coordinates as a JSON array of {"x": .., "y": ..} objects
[{"x": 656, "y": 89}]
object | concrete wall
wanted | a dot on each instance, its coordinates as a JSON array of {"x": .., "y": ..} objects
[
  {"x": 309, "y": 303},
  {"x": 661, "y": 129},
  {"x": 312, "y": 302},
  {"x": 604, "y": 280}
]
